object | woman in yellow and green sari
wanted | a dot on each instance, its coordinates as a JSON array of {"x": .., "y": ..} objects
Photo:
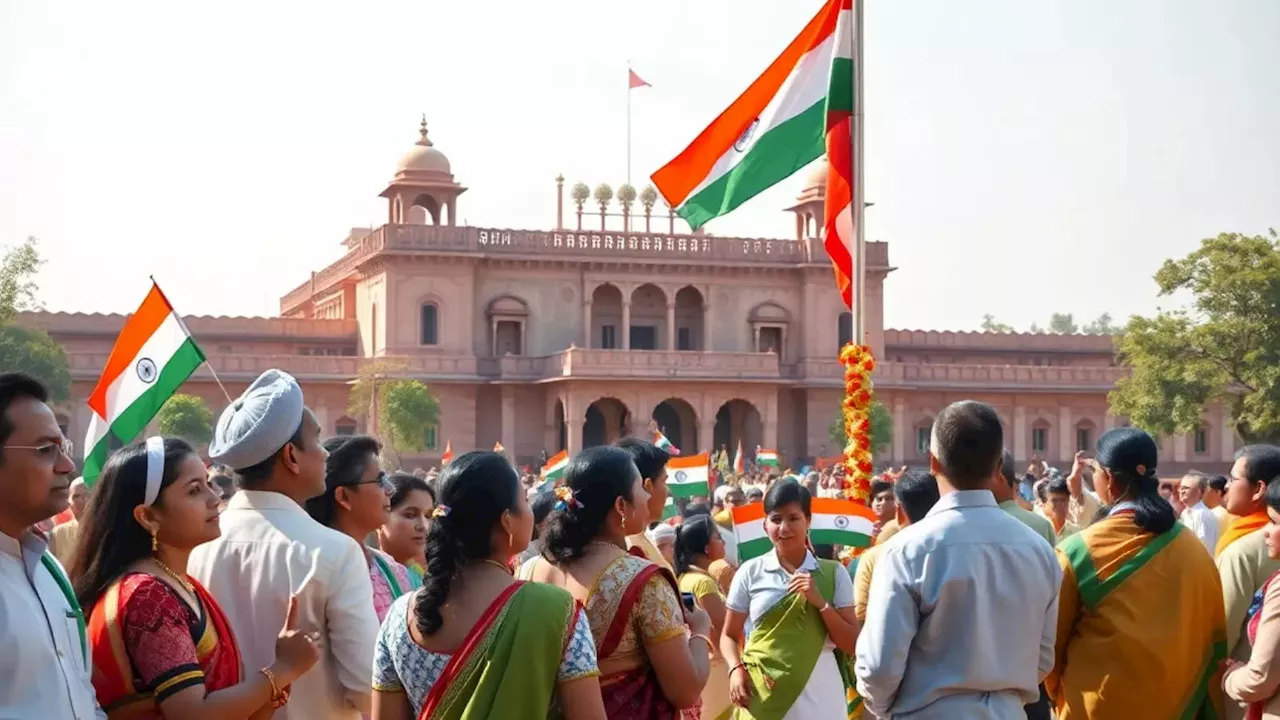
[
  {"x": 506, "y": 648},
  {"x": 698, "y": 545},
  {"x": 1141, "y": 602},
  {"x": 796, "y": 614}
]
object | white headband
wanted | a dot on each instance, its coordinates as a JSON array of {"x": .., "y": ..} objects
[{"x": 155, "y": 469}]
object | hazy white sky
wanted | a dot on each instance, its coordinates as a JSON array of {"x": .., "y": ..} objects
[{"x": 1024, "y": 157}]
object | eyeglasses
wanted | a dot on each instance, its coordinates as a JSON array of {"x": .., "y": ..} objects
[
  {"x": 49, "y": 451},
  {"x": 380, "y": 480}
]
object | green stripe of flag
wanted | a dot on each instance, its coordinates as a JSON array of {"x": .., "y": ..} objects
[
  {"x": 839, "y": 537},
  {"x": 840, "y": 91},
  {"x": 134, "y": 419},
  {"x": 753, "y": 548},
  {"x": 688, "y": 490},
  {"x": 778, "y": 154}
]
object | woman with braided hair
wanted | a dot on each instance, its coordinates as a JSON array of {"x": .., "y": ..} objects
[{"x": 1141, "y": 628}]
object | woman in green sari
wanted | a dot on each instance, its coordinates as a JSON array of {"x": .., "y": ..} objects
[
  {"x": 796, "y": 613},
  {"x": 473, "y": 642}
]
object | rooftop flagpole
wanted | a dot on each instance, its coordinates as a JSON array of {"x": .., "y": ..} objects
[{"x": 859, "y": 250}]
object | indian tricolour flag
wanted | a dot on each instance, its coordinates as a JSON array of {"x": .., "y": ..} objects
[
  {"x": 554, "y": 468},
  {"x": 689, "y": 476},
  {"x": 777, "y": 126},
  {"x": 739, "y": 460},
  {"x": 152, "y": 357},
  {"x": 670, "y": 510},
  {"x": 834, "y": 522},
  {"x": 661, "y": 441},
  {"x": 767, "y": 457}
]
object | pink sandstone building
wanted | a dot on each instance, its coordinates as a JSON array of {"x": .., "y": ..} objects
[{"x": 574, "y": 336}]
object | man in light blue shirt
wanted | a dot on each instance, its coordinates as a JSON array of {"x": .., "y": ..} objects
[{"x": 963, "y": 607}]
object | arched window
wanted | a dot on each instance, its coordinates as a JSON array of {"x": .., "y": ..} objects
[
  {"x": 845, "y": 330},
  {"x": 344, "y": 426},
  {"x": 430, "y": 324}
]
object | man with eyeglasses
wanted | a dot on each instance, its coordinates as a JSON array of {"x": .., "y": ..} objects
[{"x": 44, "y": 669}]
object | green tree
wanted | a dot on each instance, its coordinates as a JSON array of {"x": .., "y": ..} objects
[
  {"x": 1224, "y": 347},
  {"x": 187, "y": 417},
  {"x": 1103, "y": 326},
  {"x": 33, "y": 352},
  {"x": 881, "y": 428},
  {"x": 365, "y": 392},
  {"x": 1063, "y": 323},
  {"x": 406, "y": 409},
  {"x": 989, "y": 324},
  {"x": 18, "y": 268}
]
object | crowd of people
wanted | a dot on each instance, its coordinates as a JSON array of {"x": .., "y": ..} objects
[{"x": 300, "y": 580}]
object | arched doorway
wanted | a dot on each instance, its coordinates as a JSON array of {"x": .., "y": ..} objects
[
  {"x": 689, "y": 331},
  {"x": 607, "y": 420},
  {"x": 648, "y": 318},
  {"x": 738, "y": 420},
  {"x": 606, "y": 317},
  {"x": 562, "y": 429},
  {"x": 677, "y": 420}
]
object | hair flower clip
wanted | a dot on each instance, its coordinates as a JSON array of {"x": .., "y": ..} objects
[
  {"x": 441, "y": 511},
  {"x": 566, "y": 497}
]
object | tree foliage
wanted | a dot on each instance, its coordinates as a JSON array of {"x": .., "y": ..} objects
[
  {"x": 38, "y": 355},
  {"x": 1103, "y": 326},
  {"x": 18, "y": 268},
  {"x": 1224, "y": 347},
  {"x": 1063, "y": 323},
  {"x": 187, "y": 417},
  {"x": 580, "y": 193},
  {"x": 406, "y": 410},
  {"x": 373, "y": 375},
  {"x": 881, "y": 428},
  {"x": 989, "y": 324}
]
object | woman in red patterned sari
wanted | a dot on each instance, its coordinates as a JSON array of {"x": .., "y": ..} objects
[
  {"x": 652, "y": 666},
  {"x": 161, "y": 646}
]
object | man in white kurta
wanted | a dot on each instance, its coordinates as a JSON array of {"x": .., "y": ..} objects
[
  {"x": 1197, "y": 516},
  {"x": 271, "y": 549}
]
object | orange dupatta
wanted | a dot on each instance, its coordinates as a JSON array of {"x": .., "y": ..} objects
[
  {"x": 113, "y": 676},
  {"x": 1240, "y": 527}
]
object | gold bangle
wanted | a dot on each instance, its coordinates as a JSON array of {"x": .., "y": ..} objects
[
  {"x": 701, "y": 637},
  {"x": 279, "y": 697}
]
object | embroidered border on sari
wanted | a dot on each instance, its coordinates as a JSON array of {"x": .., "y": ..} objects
[
  {"x": 449, "y": 687},
  {"x": 1093, "y": 589},
  {"x": 388, "y": 574},
  {"x": 1210, "y": 676},
  {"x": 626, "y": 602}
]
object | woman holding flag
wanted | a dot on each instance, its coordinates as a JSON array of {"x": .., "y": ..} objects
[{"x": 799, "y": 613}]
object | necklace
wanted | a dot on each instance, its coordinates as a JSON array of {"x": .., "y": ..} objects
[
  {"x": 173, "y": 574},
  {"x": 607, "y": 544},
  {"x": 495, "y": 563}
]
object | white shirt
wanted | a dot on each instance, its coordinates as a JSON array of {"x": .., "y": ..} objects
[
  {"x": 761, "y": 583},
  {"x": 269, "y": 546},
  {"x": 43, "y": 668},
  {"x": 1200, "y": 520},
  {"x": 962, "y": 615}
]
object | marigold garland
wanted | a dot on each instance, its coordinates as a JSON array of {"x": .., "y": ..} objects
[{"x": 856, "y": 409}]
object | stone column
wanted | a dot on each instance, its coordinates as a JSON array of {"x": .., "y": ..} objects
[
  {"x": 671, "y": 326},
  {"x": 1226, "y": 435},
  {"x": 586, "y": 324},
  {"x": 770, "y": 429},
  {"x": 509, "y": 420},
  {"x": 708, "y": 324},
  {"x": 1019, "y": 448},
  {"x": 899, "y": 431},
  {"x": 626, "y": 324},
  {"x": 1066, "y": 441},
  {"x": 575, "y": 418},
  {"x": 755, "y": 338},
  {"x": 706, "y": 434},
  {"x": 493, "y": 338}
]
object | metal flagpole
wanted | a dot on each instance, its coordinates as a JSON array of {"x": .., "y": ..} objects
[
  {"x": 859, "y": 249},
  {"x": 629, "y": 89}
]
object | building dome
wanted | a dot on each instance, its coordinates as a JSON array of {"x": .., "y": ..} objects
[
  {"x": 424, "y": 157},
  {"x": 816, "y": 179}
]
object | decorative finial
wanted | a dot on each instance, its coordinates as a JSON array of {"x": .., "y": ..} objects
[
  {"x": 422, "y": 130},
  {"x": 560, "y": 179}
]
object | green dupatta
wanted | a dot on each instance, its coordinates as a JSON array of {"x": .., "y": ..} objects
[
  {"x": 506, "y": 668},
  {"x": 784, "y": 647}
]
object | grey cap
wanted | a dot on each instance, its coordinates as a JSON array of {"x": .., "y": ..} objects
[{"x": 259, "y": 422}]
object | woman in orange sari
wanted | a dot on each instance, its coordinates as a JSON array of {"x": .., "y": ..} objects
[
  {"x": 651, "y": 666},
  {"x": 161, "y": 646}
]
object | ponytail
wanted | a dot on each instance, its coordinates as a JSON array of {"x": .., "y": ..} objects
[
  {"x": 595, "y": 478},
  {"x": 444, "y": 556},
  {"x": 692, "y": 538},
  {"x": 1152, "y": 512}
]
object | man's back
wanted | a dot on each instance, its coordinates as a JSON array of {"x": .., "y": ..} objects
[
  {"x": 268, "y": 550},
  {"x": 962, "y": 615}
]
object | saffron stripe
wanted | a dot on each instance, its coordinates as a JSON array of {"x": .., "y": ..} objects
[{"x": 137, "y": 330}]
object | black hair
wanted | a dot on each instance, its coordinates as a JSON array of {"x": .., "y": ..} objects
[
  {"x": 347, "y": 461},
  {"x": 542, "y": 505},
  {"x": 1261, "y": 462},
  {"x": 692, "y": 538},
  {"x": 402, "y": 483},
  {"x": 255, "y": 476},
  {"x": 754, "y": 490},
  {"x": 111, "y": 540},
  {"x": 877, "y": 487},
  {"x": 649, "y": 458},
  {"x": 1006, "y": 468},
  {"x": 916, "y": 492},
  {"x": 1273, "y": 494},
  {"x": 695, "y": 509},
  {"x": 226, "y": 486},
  {"x": 1130, "y": 456},
  {"x": 16, "y": 386},
  {"x": 785, "y": 492},
  {"x": 969, "y": 442},
  {"x": 477, "y": 488},
  {"x": 1219, "y": 483},
  {"x": 597, "y": 476},
  {"x": 1058, "y": 486}
]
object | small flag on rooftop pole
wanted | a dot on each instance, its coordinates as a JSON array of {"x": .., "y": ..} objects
[{"x": 634, "y": 81}]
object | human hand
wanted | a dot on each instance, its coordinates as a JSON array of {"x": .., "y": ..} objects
[
  {"x": 740, "y": 687},
  {"x": 802, "y": 584},
  {"x": 296, "y": 651},
  {"x": 698, "y": 620}
]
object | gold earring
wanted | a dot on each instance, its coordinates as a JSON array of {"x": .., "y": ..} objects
[
  {"x": 624, "y": 523},
  {"x": 155, "y": 544}
]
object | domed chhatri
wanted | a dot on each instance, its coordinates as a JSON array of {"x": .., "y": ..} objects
[
  {"x": 816, "y": 179},
  {"x": 424, "y": 157}
]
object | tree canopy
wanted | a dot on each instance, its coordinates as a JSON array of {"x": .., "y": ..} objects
[
  {"x": 1061, "y": 323},
  {"x": 187, "y": 417},
  {"x": 1223, "y": 347},
  {"x": 407, "y": 409},
  {"x": 26, "y": 349}
]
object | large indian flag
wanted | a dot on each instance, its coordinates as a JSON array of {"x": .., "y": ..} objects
[
  {"x": 689, "y": 476},
  {"x": 834, "y": 522},
  {"x": 152, "y": 357},
  {"x": 777, "y": 126}
]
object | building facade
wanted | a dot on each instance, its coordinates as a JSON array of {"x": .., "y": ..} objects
[{"x": 610, "y": 323}]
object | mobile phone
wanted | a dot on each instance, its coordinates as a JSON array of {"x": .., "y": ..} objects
[{"x": 687, "y": 600}]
